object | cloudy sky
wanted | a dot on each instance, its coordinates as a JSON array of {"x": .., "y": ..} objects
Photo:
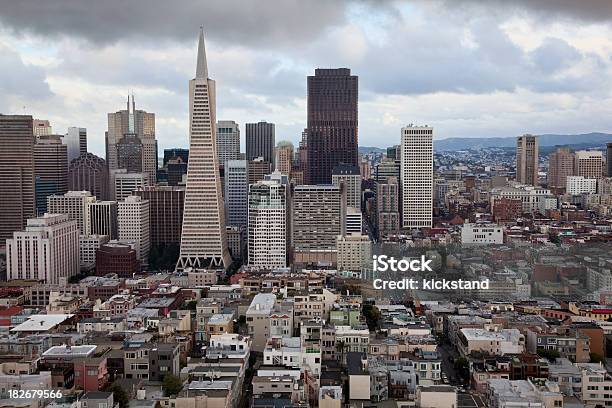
[{"x": 466, "y": 68}]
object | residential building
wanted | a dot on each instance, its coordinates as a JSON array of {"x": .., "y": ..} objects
[
  {"x": 417, "y": 176},
  {"x": 354, "y": 253},
  {"x": 387, "y": 207},
  {"x": 133, "y": 220},
  {"x": 576, "y": 185},
  {"x": 258, "y": 320},
  {"x": 351, "y": 178}
]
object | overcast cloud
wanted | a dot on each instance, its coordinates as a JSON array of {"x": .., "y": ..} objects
[{"x": 467, "y": 68}]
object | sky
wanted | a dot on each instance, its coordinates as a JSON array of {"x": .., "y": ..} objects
[{"x": 468, "y": 68}]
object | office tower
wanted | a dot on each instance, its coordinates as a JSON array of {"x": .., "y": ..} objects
[
  {"x": 129, "y": 153},
  {"x": 74, "y": 205},
  {"x": 318, "y": 217},
  {"x": 588, "y": 164},
  {"x": 387, "y": 208},
  {"x": 353, "y": 221},
  {"x": 133, "y": 220},
  {"x": 284, "y": 157},
  {"x": 138, "y": 124},
  {"x": 267, "y": 205},
  {"x": 235, "y": 241},
  {"x": 365, "y": 168},
  {"x": 17, "y": 197},
  {"x": 576, "y": 185},
  {"x": 236, "y": 193},
  {"x": 41, "y": 127},
  {"x": 351, "y": 177},
  {"x": 417, "y": 176},
  {"x": 176, "y": 169},
  {"x": 166, "y": 213},
  {"x": 48, "y": 250},
  {"x": 50, "y": 169},
  {"x": 124, "y": 184},
  {"x": 102, "y": 217},
  {"x": 386, "y": 169},
  {"x": 394, "y": 152},
  {"x": 332, "y": 122},
  {"x": 609, "y": 159},
  {"x": 527, "y": 158},
  {"x": 88, "y": 246},
  {"x": 258, "y": 169},
  {"x": 204, "y": 238},
  {"x": 88, "y": 172},
  {"x": 76, "y": 141},
  {"x": 560, "y": 166},
  {"x": 117, "y": 258},
  {"x": 228, "y": 141},
  {"x": 175, "y": 153},
  {"x": 260, "y": 141}
]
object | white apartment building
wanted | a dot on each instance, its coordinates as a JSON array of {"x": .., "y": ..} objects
[
  {"x": 124, "y": 184},
  {"x": 350, "y": 176},
  {"x": 236, "y": 192},
  {"x": 576, "y": 185},
  {"x": 482, "y": 233},
  {"x": 258, "y": 319},
  {"x": 88, "y": 245},
  {"x": 596, "y": 385},
  {"x": 228, "y": 141},
  {"x": 133, "y": 222},
  {"x": 48, "y": 250},
  {"x": 283, "y": 351},
  {"x": 532, "y": 198},
  {"x": 493, "y": 341},
  {"x": 353, "y": 339},
  {"x": 74, "y": 205},
  {"x": 267, "y": 232},
  {"x": 354, "y": 253},
  {"x": 416, "y": 171}
]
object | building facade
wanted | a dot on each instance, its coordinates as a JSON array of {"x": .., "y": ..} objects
[
  {"x": 76, "y": 142},
  {"x": 166, "y": 213},
  {"x": 89, "y": 172},
  {"x": 228, "y": 141},
  {"x": 267, "y": 225},
  {"x": 50, "y": 169},
  {"x": 74, "y": 204},
  {"x": 236, "y": 192},
  {"x": 133, "y": 220},
  {"x": 527, "y": 159},
  {"x": 560, "y": 166},
  {"x": 417, "y": 176},
  {"x": 260, "y": 141}
]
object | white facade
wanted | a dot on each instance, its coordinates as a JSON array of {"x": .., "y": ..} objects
[
  {"x": 532, "y": 198},
  {"x": 482, "y": 233},
  {"x": 588, "y": 164},
  {"x": 204, "y": 238},
  {"x": 88, "y": 245},
  {"x": 417, "y": 176},
  {"x": 74, "y": 204},
  {"x": 133, "y": 222},
  {"x": 236, "y": 192},
  {"x": 576, "y": 185},
  {"x": 354, "y": 253},
  {"x": 124, "y": 184},
  {"x": 267, "y": 239},
  {"x": 354, "y": 221},
  {"x": 351, "y": 177},
  {"x": 228, "y": 141},
  {"x": 76, "y": 142},
  {"x": 48, "y": 250}
]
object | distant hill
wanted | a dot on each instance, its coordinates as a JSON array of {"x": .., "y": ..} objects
[
  {"x": 370, "y": 149},
  {"x": 586, "y": 140}
]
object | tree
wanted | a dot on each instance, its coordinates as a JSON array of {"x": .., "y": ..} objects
[
  {"x": 550, "y": 355},
  {"x": 119, "y": 396},
  {"x": 171, "y": 385},
  {"x": 372, "y": 316}
]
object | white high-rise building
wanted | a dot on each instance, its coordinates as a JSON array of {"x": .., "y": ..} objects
[
  {"x": 228, "y": 141},
  {"x": 133, "y": 221},
  {"x": 417, "y": 176},
  {"x": 204, "y": 237},
  {"x": 74, "y": 204},
  {"x": 88, "y": 245},
  {"x": 351, "y": 177},
  {"x": 76, "y": 142},
  {"x": 576, "y": 185},
  {"x": 48, "y": 250},
  {"x": 236, "y": 192},
  {"x": 268, "y": 224},
  {"x": 124, "y": 184},
  {"x": 354, "y": 253},
  {"x": 589, "y": 164}
]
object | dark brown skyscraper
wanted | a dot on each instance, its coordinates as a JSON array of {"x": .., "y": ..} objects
[
  {"x": 609, "y": 158},
  {"x": 16, "y": 174},
  {"x": 166, "y": 212},
  {"x": 260, "y": 141},
  {"x": 332, "y": 122}
]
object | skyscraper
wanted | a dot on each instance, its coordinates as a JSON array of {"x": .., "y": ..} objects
[
  {"x": 417, "y": 176},
  {"x": 387, "y": 207},
  {"x": 258, "y": 169},
  {"x": 260, "y": 141},
  {"x": 166, "y": 213},
  {"x": 284, "y": 157},
  {"x": 76, "y": 141},
  {"x": 228, "y": 141},
  {"x": 609, "y": 159},
  {"x": 88, "y": 172},
  {"x": 236, "y": 192},
  {"x": 560, "y": 166},
  {"x": 17, "y": 202},
  {"x": 132, "y": 122},
  {"x": 351, "y": 177},
  {"x": 102, "y": 218},
  {"x": 588, "y": 164},
  {"x": 41, "y": 127},
  {"x": 527, "y": 157},
  {"x": 74, "y": 204},
  {"x": 124, "y": 184},
  {"x": 50, "y": 169},
  {"x": 332, "y": 123},
  {"x": 133, "y": 221},
  {"x": 47, "y": 250},
  {"x": 267, "y": 240},
  {"x": 203, "y": 239}
]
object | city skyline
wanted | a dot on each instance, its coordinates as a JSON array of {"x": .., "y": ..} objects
[{"x": 556, "y": 82}]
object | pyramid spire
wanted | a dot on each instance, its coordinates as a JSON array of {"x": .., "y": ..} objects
[{"x": 202, "y": 67}]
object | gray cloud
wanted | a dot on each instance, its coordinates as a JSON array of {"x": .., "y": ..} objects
[{"x": 19, "y": 80}]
